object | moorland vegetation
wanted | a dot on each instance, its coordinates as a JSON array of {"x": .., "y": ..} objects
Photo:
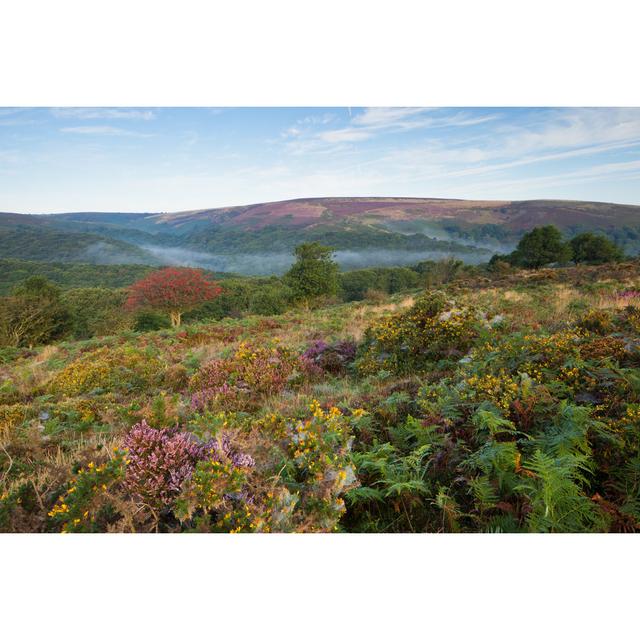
[{"x": 438, "y": 398}]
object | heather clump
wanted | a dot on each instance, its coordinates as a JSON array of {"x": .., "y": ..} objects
[
  {"x": 331, "y": 358},
  {"x": 242, "y": 381},
  {"x": 158, "y": 462}
]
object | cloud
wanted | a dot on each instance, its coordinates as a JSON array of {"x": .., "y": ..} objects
[
  {"x": 372, "y": 122},
  {"x": 386, "y": 116},
  {"x": 105, "y": 131},
  {"x": 345, "y": 135},
  {"x": 92, "y": 113},
  {"x": 570, "y": 128}
]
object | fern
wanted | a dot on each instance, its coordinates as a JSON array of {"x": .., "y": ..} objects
[
  {"x": 451, "y": 513},
  {"x": 557, "y": 501}
]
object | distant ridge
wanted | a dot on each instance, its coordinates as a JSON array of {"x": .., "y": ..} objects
[{"x": 376, "y": 230}]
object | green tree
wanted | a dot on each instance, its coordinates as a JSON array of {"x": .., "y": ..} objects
[
  {"x": 314, "y": 273},
  {"x": 96, "y": 311},
  {"x": 541, "y": 246},
  {"x": 33, "y": 314},
  {"x": 594, "y": 249}
]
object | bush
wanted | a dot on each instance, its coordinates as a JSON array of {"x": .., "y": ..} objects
[
  {"x": 108, "y": 369},
  {"x": 433, "y": 329},
  {"x": 11, "y": 417},
  {"x": 159, "y": 461},
  {"x": 295, "y": 482},
  {"x": 596, "y": 321},
  {"x": 332, "y": 358},
  {"x": 96, "y": 311},
  {"x": 594, "y": 249},
  {"x": 87, "y": 505},
  {"x": 541, "y": 246},
  {"x": 150, "y": 321},
  {"x": 242, "y": 381}
]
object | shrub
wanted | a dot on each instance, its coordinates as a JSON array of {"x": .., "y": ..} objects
[
  {"x": 596, "y": 321},
  {"x": 158, "y": 462},
  {"x": 150, "y": 321},
  {"x": 314, "y": 273},
  {"x": 96, "y": 311},
  {"x": 433, "y": 329},
  {"x": 85, "y": 506},
  {"x": 334, "y": 358},
  {"x": 594, "y": 249},
  {"x": 318, "y": 472},
  {"x": 11, "y": 417},
  {"x": 243, "y": 380},
  {"x": 108, "y": 369},
  {"x": 541, "y": 246},
  {"x": 33, "y": 314}
]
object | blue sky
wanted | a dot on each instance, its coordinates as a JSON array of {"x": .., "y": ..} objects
[{"x": 171, "y": 159}]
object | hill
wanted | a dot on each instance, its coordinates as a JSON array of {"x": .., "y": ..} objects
[
  {"x": 259, "y": 238},
  {"x": 310, "y": 212}
]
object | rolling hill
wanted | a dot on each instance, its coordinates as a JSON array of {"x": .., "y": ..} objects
[{"x": 259, "y": 238}]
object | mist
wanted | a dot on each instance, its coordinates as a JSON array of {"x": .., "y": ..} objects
[
  {"x": 277, "y": 263},
  {"x": 433, "y": 231},
  {"x": 105, "y": 253}
]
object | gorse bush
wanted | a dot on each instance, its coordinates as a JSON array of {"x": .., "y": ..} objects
[
  {"x": 433, "y": 329},
  {"x": 87, "y": 505},
  {"x": 108, "y": 369}
]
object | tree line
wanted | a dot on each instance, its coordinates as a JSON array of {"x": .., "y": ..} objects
[
  {"x": 37, "y": 311},
  {"x": 546, "y": 245}
]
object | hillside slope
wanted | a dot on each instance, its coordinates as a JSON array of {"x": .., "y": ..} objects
[{"x": 259, "y": 238}]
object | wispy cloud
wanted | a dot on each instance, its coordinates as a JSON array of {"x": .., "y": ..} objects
[
  {"x": 102, "y": 113},
  {"x": 104, "y": 131},
  {"x": 376, "y": 121}
]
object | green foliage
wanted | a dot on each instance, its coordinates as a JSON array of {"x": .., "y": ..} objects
[
  {"x": 432, "y": 330},
  {"x": 39, "y": 243},
  {"x": 594, "y": 249},
  {"x": 314, "y": 273},
  {"x": 86, "y": 505},
  {"x": 354, "y": 285},
  {"x": 541, "y": 246},
  {"x": 148, "y": 320},
  {"x": 96, "y": 311},
  {"x": 33, "y": 314},
  {"x": 69, "y": 275}
]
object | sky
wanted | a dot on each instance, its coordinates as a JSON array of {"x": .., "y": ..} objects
[{"x": 172, "y": 159}]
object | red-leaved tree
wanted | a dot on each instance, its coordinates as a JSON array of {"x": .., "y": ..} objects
[{"x": 173, "y": 290}]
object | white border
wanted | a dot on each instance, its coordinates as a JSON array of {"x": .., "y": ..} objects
[
  {"x": 286, "y": 52},
  {"x": 278, "y": 53}
]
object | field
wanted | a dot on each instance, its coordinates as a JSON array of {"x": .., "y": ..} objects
[{"x": 490, "y": 404}]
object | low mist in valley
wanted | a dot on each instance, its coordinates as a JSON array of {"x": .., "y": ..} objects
[{"x": 278, "y": 262}]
